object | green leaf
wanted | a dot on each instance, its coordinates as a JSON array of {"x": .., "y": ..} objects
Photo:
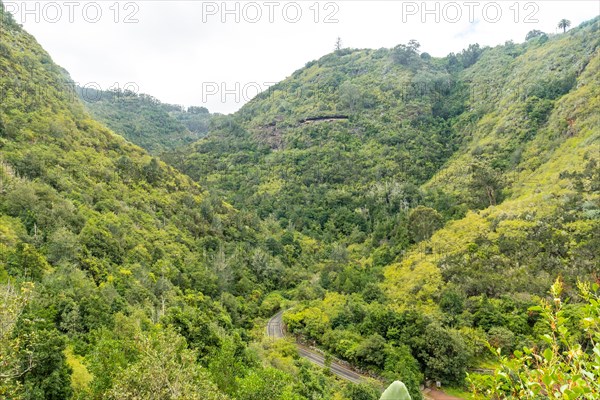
[
  {"x": 548, "y": 354},
  {"x": 518, "y": 354}
]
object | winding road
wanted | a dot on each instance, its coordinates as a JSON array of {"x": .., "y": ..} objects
[{"x": 276, "y": 330}]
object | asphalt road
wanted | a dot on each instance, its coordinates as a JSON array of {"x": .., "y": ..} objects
[
  {"x": 275, "y": 326},
  {"x": 275, "y": 330}
]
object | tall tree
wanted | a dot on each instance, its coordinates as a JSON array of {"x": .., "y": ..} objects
[
  {"x": 564, "y": 24},
  {"x": 338, "y": 43}
]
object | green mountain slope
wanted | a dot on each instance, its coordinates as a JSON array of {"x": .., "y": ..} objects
[
  {"x": 403, "y": 209},
  {"x": 120, "y": 277},
  {"x": 339, "y": 147},
  {"x": 448, "y": 194},
  {"x": 349, "y": 146},
  {"x": 540, "y": 154},
  {"x": 144, "y": 120}
]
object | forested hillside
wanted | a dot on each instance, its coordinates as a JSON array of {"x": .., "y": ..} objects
[
  {"x": 144, "y": 120},
  {"x": 409, "y": 213},
  {"x": 121, "y": 278},
  {"x": 450, "y": 193}
]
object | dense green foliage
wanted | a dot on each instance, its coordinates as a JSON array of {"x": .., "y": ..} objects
[
  {"x": 566, "y": 363},
  {"x": 119, "y": 276},
  {"x": 334, "y": 178},
  {"x": 409, "y": 210},
  {"x": 144, "y": 120},
  {"x": 448, "y": 193}
]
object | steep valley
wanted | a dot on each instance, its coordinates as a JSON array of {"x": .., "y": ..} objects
[{"x": 419, "y": 218}]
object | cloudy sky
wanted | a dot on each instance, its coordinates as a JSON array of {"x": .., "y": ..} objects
[{"x": 218, "y": 54}]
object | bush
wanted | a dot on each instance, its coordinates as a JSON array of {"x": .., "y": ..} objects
[
  {"x": 443, "y": 354},
  {"x": 501, "y": 338},
  {"x": 562, "y": 368},
  {"x": 538, "y": 109},
  {"x": 534, "y": 33},
  {"x": 401, "y": 365}
]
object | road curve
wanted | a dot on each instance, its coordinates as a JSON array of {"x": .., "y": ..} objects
[
  {"x": 275, "y": 326},
  {"x": 275, "y": 330}
]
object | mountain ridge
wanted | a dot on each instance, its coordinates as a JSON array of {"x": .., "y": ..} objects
[{"x": 144, "y": 120}]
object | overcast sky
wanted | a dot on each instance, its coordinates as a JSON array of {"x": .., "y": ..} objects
[{"x": 191, "y": 52}]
